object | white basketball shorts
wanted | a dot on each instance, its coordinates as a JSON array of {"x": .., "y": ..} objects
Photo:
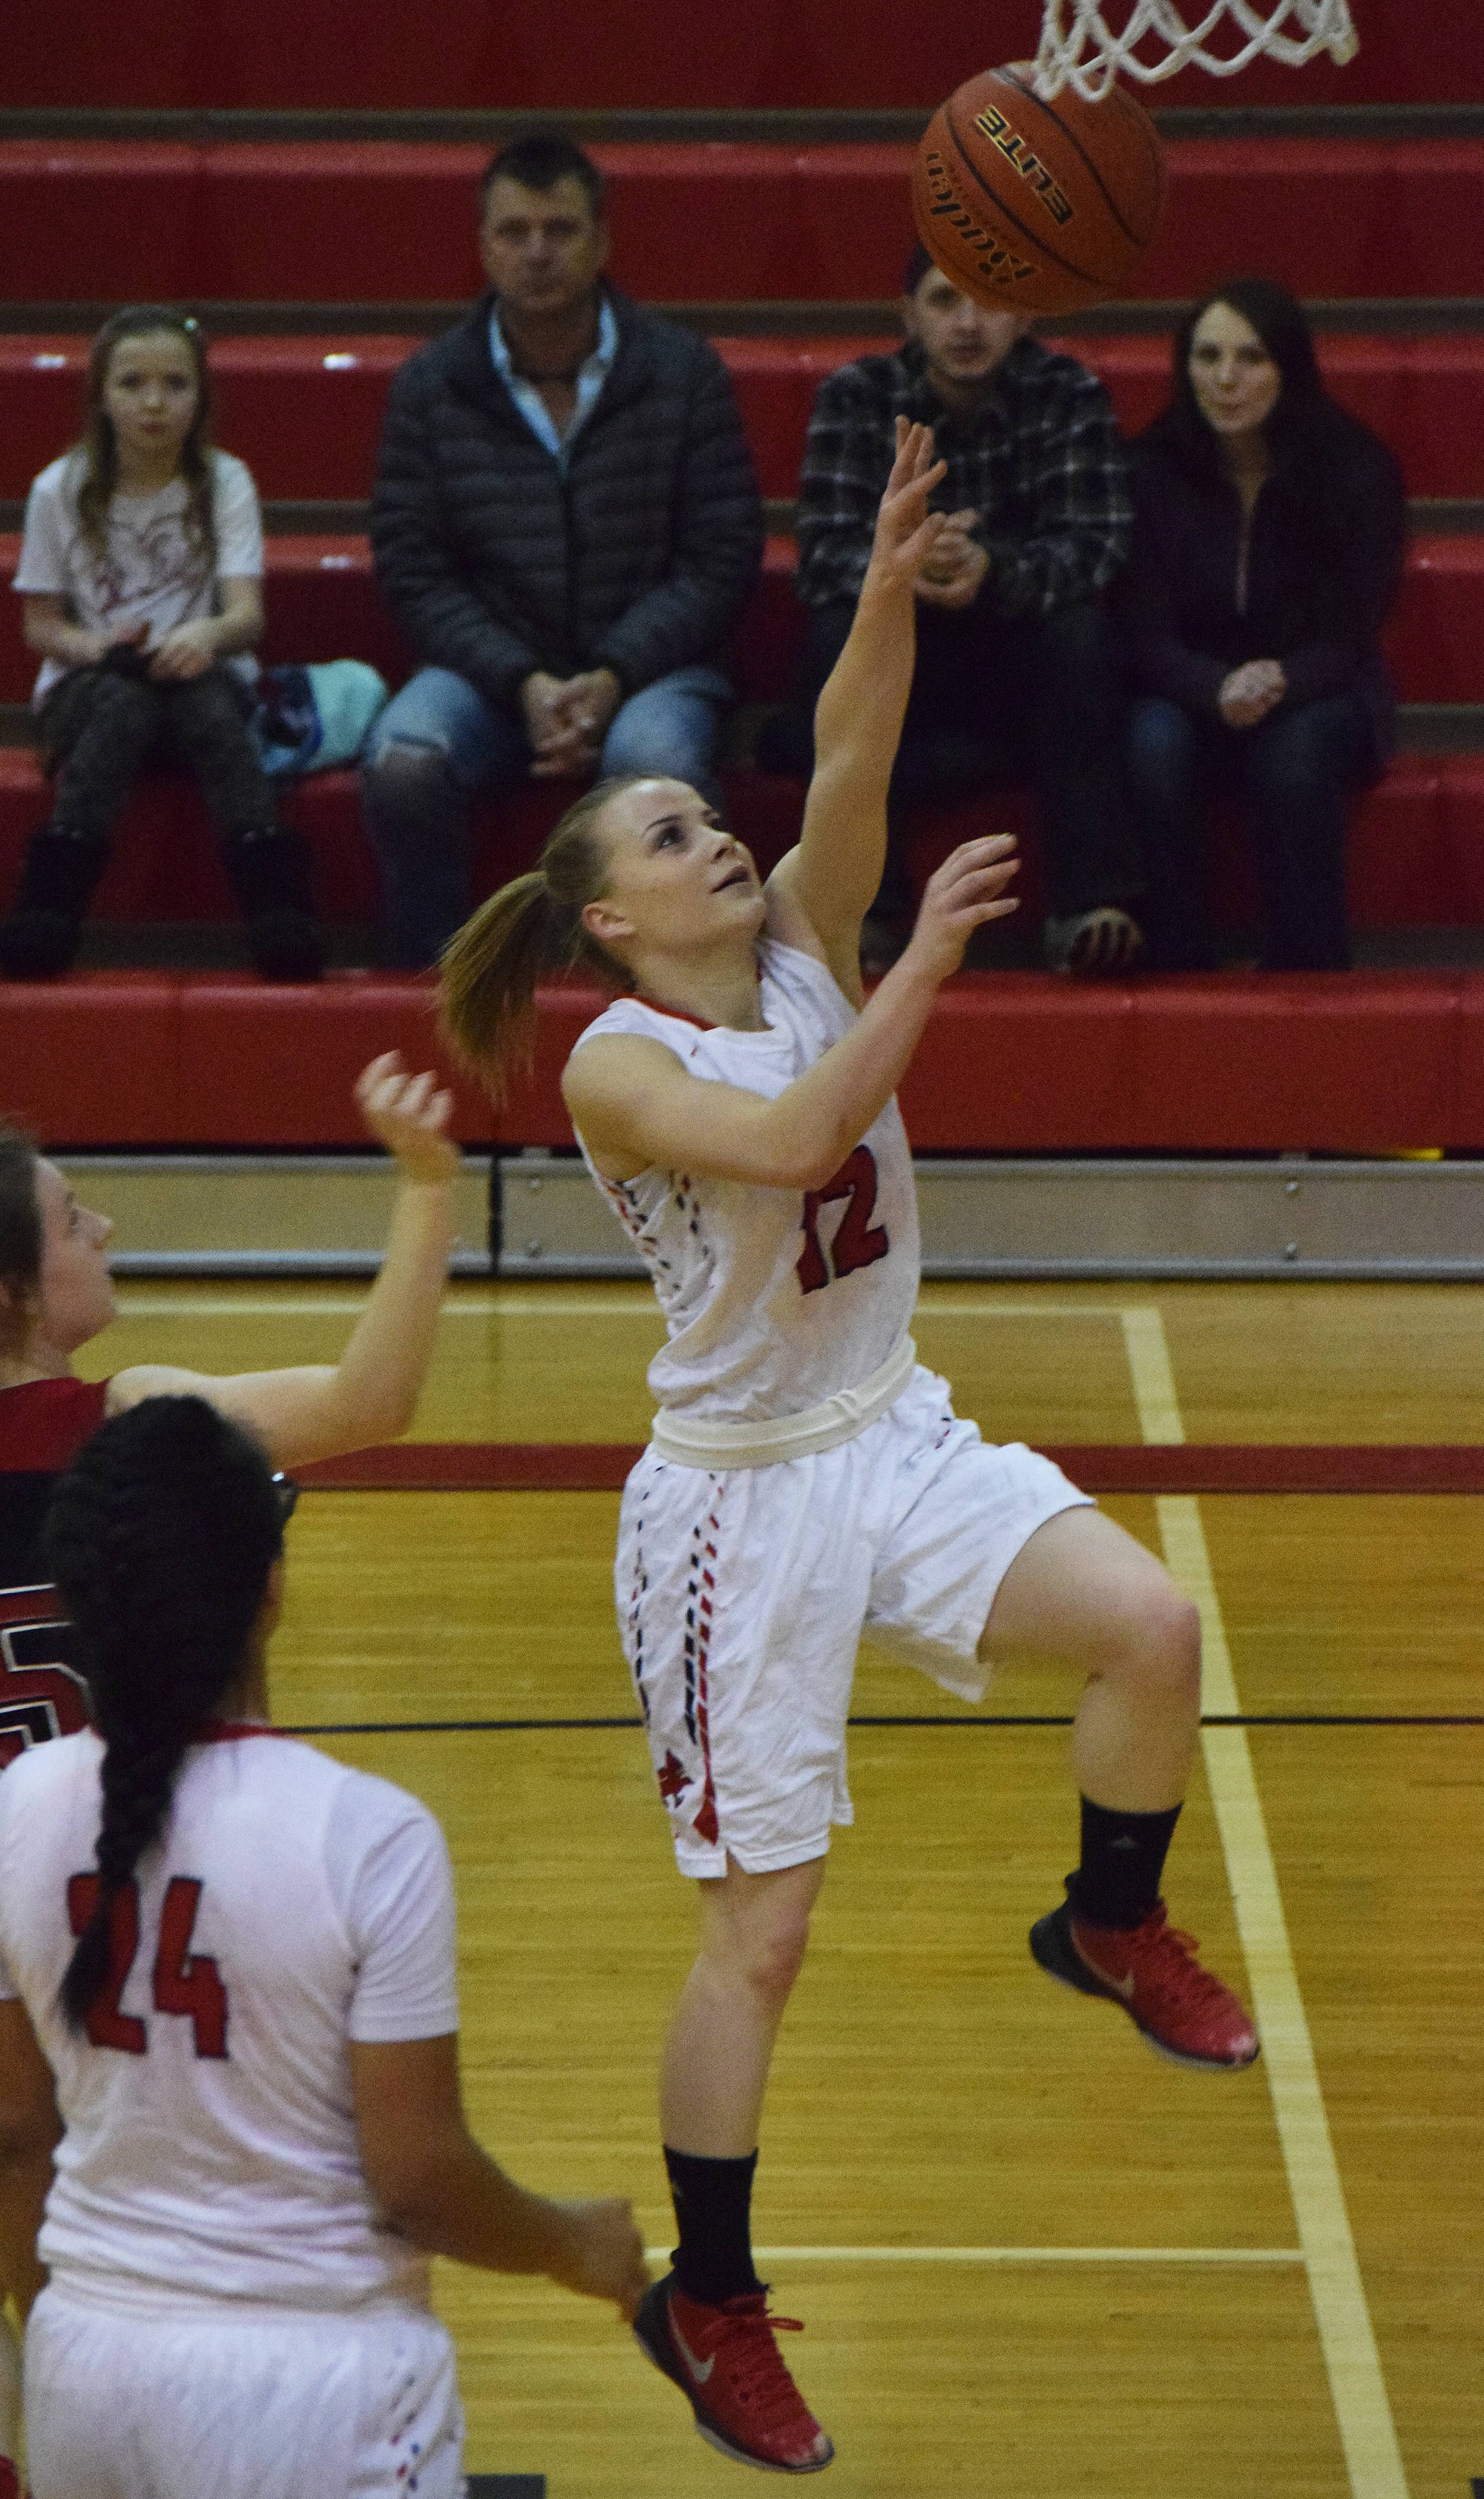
[
  {"x": 248, "y": 2403},
  {"x": 742, "y": 1596}
]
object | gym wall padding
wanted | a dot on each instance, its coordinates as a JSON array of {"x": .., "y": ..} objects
[{"x": 406, "y": 55}]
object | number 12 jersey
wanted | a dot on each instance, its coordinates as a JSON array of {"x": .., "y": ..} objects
[{"x": 774, "y": 1299}]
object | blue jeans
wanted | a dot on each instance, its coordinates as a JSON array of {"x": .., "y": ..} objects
[
  {"x": 1296, "y": 772},
  {"x": 439, "y": 742}
]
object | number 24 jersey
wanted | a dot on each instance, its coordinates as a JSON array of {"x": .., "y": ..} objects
[
  {"x": 292, "y": 1905},
  {"x": 774, "y": 1299}
]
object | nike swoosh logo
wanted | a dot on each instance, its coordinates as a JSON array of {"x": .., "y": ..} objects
[
  {"x": 700, "y": 2370},
  {"x": 1123, "y": 1987}
]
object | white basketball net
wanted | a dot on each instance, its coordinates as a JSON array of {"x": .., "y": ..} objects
[{"x": 1078, "y": 46}]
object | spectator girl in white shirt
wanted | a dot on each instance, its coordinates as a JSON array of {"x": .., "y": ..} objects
[
  {"x": 227, "y": 2001},
  {"x": 140, "y": 572}
]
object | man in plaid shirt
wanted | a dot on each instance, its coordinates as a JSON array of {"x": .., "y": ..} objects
[{"x": 1017, "y": 676}]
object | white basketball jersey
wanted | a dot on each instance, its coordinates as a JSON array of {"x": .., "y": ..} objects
[
  {"x": 293, "y": 1905},
  {"x": 775, "y": 1299}
]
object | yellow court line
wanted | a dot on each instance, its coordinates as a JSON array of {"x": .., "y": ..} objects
[
  {"x": 1347, "y": 2338},
  {"x": 132, "y": 1302},
  {"x": 1017, "y": 2255}
]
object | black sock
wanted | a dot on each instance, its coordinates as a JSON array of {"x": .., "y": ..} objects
[
  {"x": 712, "y": 2198},
  {"x": 1123, "y": 1856}
]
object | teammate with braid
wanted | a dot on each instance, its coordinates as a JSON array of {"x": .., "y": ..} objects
[
  {"x": 55, "y": 1297},
  {"x": 806, "y": 1478},
  {"x": 228, "y": 2039}
]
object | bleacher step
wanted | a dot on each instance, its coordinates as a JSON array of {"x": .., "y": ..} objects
[
  {"x": 722, "y": 220},
  {"x": 1013, "y": 1062}
]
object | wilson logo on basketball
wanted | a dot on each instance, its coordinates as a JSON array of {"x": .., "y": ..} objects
[{"x": 1018, "y": 153}]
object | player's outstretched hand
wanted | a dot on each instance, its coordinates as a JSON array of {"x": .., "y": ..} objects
[
  {"x": 605, "y": 2259},
  {"x": 905, "y": 531},
  {"x": 410, "y": 1116},
  {"x": 968, "y": 889}
]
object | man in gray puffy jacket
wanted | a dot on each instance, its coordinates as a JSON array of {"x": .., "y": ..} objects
[{"x": 564, "y": 522}]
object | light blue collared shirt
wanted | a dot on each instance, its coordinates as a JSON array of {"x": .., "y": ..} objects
[{"x": 591, "y": 377}]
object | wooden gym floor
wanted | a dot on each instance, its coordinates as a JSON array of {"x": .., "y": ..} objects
[{"x": 1034, "y": 2260}]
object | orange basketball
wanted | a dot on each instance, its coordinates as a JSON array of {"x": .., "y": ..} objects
[{"x": 1034, "y": 207}]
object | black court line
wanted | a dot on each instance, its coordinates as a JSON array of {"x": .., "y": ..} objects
[
  {"x": 563, "y": 1726},
  {"x": 506, "y": 2486}
]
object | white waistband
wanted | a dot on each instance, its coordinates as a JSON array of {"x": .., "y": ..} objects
[
  {"x": 688, "y": 1440},
  {"x": 119, "y": 2294}
]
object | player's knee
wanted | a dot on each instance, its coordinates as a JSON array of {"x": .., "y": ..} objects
[
  {"x": 1154, "y": 1643},
  {"x": 770, "y": 1954}
]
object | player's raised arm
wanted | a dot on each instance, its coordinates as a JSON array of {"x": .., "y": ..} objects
[
  {"x": 318, "y": 1410},
  {"x": 829, "y": 880},
  {"x": 635, "y": 1105}
]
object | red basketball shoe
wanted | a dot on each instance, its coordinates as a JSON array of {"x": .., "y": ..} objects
[
  {"x": 725, "y": 2361},
  {"x": 1151, "y": 1970}
]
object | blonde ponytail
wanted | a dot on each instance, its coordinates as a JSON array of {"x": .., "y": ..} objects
[{"x": 532, "y": 928}]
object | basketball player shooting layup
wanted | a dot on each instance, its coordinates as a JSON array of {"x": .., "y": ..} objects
[
  {"x": 807, "y": 1480},
  {"x": 227, "y": 1986}
]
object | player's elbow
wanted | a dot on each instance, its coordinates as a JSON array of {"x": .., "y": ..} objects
[
  {"x": 372, "y": 1414},
  {"x": 393, "y": 1414},
  {"x": 418, "y": 2189}
]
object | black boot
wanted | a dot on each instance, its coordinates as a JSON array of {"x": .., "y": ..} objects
[
  {"x": 42, "y": 936},
  {"x": 269, "y": 872}
]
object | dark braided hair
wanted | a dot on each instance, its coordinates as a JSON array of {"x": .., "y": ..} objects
[
  {"x": 160, "y": 1536},
  {"x": 20, "y": 1233}
]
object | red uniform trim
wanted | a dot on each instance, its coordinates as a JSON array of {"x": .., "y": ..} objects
[
  {"x": 226, "y": 1731},
  {"x": 681, "y": 1015},
  {"x": 44, "y": 1422}
]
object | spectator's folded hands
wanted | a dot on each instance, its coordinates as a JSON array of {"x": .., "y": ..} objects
[
  {"x": 187, "y": 651},
  {"x": 954, "y": 572},
  {"x": 1249, "y": 693},
  {"x": 566, "y": 718}
]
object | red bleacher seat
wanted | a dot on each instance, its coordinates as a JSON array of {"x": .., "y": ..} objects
[
  {"x": 323, "y": 603},
  {"x": 1436, "y": 638},
  {"x": 1416, "y": 846},
  {"x": 120, "y": 220},
  {"x": 281, "y": 1064},
  {"x": 305, "y": 412},
  {"x": 93, "y": 1061},
  {"x": 1018, "y": 1061},
  {"x": 1352, "y": 1064},
  {"x": 374, "y": 220},
  {"x": 1355, "y": 1063}
]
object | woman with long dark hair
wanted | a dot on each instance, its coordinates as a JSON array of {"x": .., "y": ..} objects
[
  {"x": 228, "y": 2039},
  {"x": 1267, "y": 552},
  {"x": 141, "y": 576}
]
